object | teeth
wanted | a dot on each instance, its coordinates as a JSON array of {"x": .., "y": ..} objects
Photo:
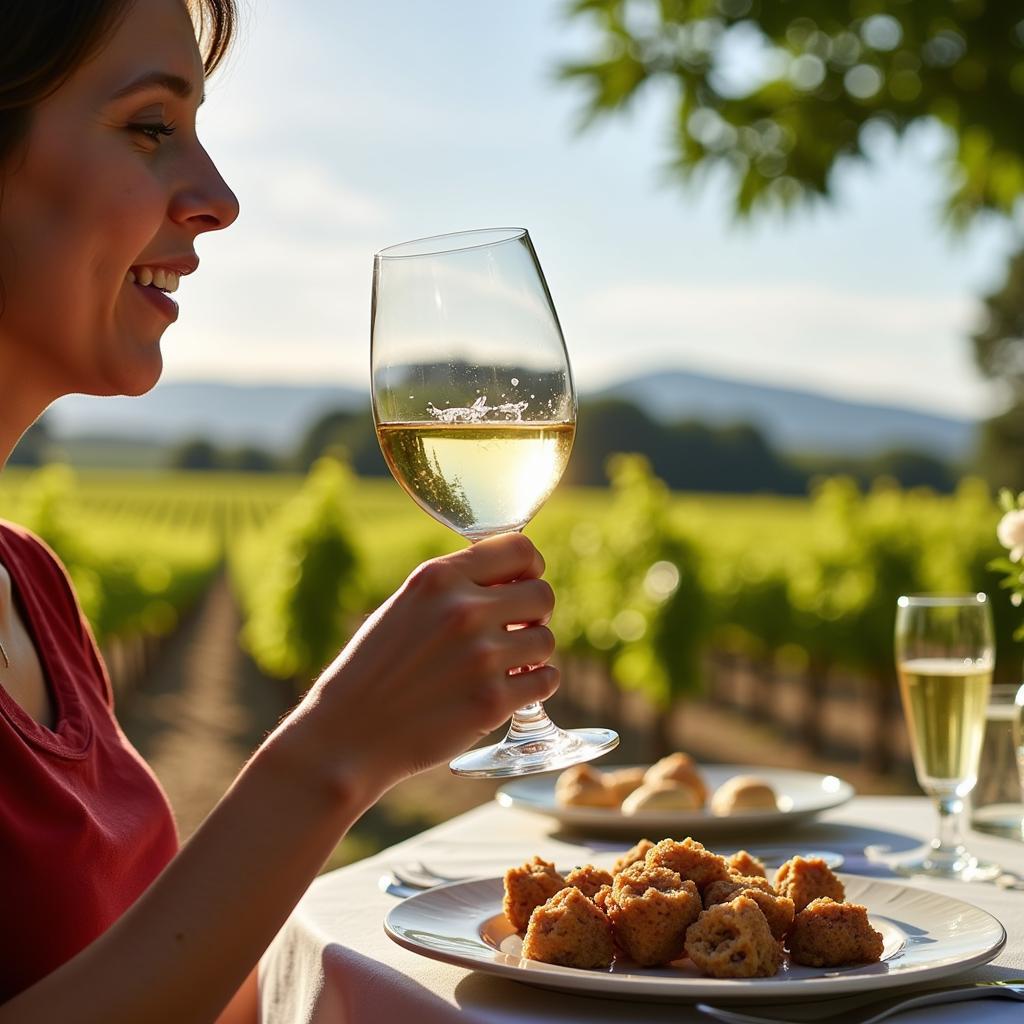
[{"x": 159, "y": 277}]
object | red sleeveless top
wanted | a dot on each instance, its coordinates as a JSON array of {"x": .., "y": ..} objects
[{"x": 84, "y": 825}]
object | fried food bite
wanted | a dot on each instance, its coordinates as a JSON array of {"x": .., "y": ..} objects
[
  {"x": 527, "y": 887},
  {"x": 662, "y": 796},
  {"x": 650, "y": 909},
  {"x": 569, "y": 930},
  {"x": 583, "y": 786},
  {"x": 682, "y": 769},
  {"x": 732, "y": 940},
  {"x": 743, "y": 793},
  {"x": 778, "y": 910},
  {"x": 746, "y": 864},
  {"x": 690, "y": 860},
  {"x": 623, "y": 781},
  {"x": 588, "y": 879},
  {"x": 804, "y": 879},
  {"x": 830, "y": 934},
  {"x": 632, "y": 855}
]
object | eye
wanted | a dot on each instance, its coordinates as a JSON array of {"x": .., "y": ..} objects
[{"x": 153, "y": 130}]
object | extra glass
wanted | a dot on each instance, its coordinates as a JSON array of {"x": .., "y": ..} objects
[
  {"x": 944, "y": 656},
  {"x": 475, "y": 411}
]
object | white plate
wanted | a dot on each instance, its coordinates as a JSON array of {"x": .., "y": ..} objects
[
  {"x": 927, "y": 936},
  {"x": 800, "y": 795}
]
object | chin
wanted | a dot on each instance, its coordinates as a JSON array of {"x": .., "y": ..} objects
[{"x": 134, "y": 375}]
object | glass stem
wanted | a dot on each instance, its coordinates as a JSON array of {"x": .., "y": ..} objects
[
  {"x": 530, "y": 724},
  {"x": 950, "y": 840}
]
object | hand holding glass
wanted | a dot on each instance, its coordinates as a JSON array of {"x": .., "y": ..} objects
[
  {"x": 945, "y": 655},
  {"x": 475, "y": 412}
]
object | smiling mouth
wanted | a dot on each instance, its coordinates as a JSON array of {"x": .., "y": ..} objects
[{"x": 162, "y": 279}]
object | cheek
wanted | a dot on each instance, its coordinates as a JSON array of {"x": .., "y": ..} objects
[
  {"x": 71, "y": 225},
  {"x": 92, "y": 212}
]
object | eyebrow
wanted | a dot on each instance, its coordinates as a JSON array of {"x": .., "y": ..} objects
[{"x": 180, "y": 87}]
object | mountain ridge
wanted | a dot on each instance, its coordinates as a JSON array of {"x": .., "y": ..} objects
[{"x": 276, "y": 416}]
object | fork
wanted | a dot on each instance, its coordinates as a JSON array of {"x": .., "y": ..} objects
[{"x": 875, "y": 1011}]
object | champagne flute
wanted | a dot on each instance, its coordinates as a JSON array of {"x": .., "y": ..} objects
[
  {"x": 475, "y": 411},
  {"x": 944, "y": 656}
]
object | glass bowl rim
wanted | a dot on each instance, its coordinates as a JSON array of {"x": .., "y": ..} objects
[
  {"x": 445, "y": 243},
  {"x": 942, "y": 600}
]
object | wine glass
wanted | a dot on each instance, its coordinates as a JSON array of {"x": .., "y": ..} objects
[
  {"x": 944, "y": 656},
  {"x": 475, "y": 411}
]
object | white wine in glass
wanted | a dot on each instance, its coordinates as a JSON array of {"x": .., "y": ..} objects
[
  {"x": 475, "y": 411},
  {"x": 944, "y": 657}
]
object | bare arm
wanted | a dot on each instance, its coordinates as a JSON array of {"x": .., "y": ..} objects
[
  {"x": 244, "y": 1006},
  {"x": 424, "y": 678}
]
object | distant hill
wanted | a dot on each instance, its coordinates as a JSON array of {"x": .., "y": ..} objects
[
  {"x": 276, "y": 416},
  {"x": 797, "y": 422}
]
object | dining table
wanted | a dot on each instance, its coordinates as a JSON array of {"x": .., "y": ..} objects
[{"x": 333, "y": 963}]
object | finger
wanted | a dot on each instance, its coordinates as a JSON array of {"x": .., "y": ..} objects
[
  {"x": 532, "y": 645},
  {"x": 535, "y": 684},
  {"x": 502, "y": 559},
  {"x": 525, "y": 601}
]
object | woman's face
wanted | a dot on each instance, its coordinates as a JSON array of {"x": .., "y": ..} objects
[{"x": 100, "y": 210}]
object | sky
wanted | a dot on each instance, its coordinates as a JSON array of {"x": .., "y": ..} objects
[{"x": 347, "y": 127}]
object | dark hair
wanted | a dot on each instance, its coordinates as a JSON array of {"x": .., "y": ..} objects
[{"x": 44, "y": 41}]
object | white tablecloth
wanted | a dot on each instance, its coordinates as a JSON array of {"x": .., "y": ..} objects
[{"x": 333, "y": 964}]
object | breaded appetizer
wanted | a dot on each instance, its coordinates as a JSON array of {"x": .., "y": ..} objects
[
  {"x": 632, "y": 855},
  {"x": 803, "y": 879},
  {"x": 688, "y": 859},
  {"x": 746, "y": 864},
  {"x": 650, "y": 909},
  {"x": 588, "y": 879},
  {"x": 830, "y": 934},
  {"x": 778, "y": 910},
  {"x": 732, "y": 940},
  {"x": 569, "y": 930},
  {"x": 527, "y": 887}
]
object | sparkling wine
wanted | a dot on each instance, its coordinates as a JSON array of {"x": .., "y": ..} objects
[
  {"x": 945, "y": 702},
  {"x": 479, "y": 478}
]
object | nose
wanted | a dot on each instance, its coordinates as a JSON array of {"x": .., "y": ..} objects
[{"x": 204, "y": 202}]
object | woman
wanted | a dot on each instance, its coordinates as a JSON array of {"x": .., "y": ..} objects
[{"x": 104, "y": 188}]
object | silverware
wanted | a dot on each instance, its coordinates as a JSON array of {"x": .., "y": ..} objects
[
  {"x": 840, "y": 1011},
  {"x": 393, "y": 887}
]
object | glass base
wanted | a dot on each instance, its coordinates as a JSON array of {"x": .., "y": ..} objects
[
  {"x": 559, "y": 748},
  {"x": 954, "y": 864}
]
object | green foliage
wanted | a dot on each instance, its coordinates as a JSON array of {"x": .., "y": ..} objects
[
  {"x": 646, "y": 580},
  {"x": 999, "y": 354},
  {"x": 347, "y": 434},
  {"x": 628, "y": 586},
  {"x": 829, "y": 70},
  {"x": 307, "y": 586},
  {"x": 130, "y": 576},
  {"x": 687, "y": 455}
]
